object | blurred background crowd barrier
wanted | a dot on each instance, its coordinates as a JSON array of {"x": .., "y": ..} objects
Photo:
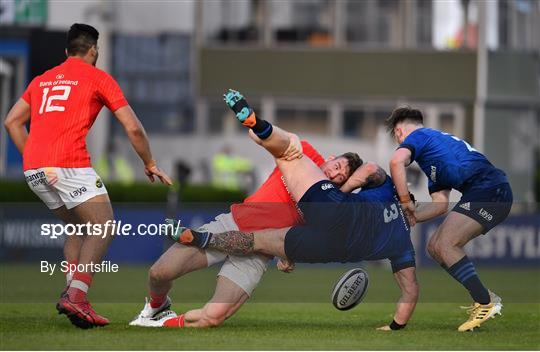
[{"x": 330, "y": 70}]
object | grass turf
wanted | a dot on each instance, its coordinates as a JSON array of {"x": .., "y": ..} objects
[{"x": 287, "y": 312}]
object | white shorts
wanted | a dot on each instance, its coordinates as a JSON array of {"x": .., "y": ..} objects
[
  {"x": 57, "y": 186},
  {"x": 244, "y": 271}
]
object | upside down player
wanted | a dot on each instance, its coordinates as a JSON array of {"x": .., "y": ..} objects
[
  {"x": 61, "y": 105},
  {"x": 450, "y": 163},
  {"x": 271, "y": 206},
  {"x": 340, "y": 227}
]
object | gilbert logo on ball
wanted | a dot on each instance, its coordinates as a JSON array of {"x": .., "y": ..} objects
[{"x": 350, "y": 289}]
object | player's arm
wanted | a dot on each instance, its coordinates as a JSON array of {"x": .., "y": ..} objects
[
  {"x": 438, "y": 206},
  {"x": 406, "y": 280},
  {"x": 15, "y": 123},
  {"x": 400, "y": 160},
  {"x": 369, "y": 175},
  {"x": 139, "y": 140}
]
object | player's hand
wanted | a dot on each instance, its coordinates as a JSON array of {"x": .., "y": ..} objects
[
  {"x": 384, "y": 328},
  {"x": 408, "y": 210},
  {"x": 151, "y": 170},
  {"x": 294, "y": 150},
  {"x": 285, "y": 265}
]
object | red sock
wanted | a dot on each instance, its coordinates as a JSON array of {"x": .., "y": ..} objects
[
  {"x": 176, "y": 322},
  {"x": 157, "y": 300},
  {"x": 79, "y": 286},
  {"x": 69, "y": 274}
]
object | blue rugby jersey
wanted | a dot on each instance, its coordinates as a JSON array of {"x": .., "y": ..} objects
[
  {"x": 450, "y": 162},
  {"x": 381, "y": 231}
]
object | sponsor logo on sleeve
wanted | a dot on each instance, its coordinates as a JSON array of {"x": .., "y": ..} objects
[{"x": 326, "y": 186}]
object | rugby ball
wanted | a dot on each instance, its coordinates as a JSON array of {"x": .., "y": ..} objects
[{"x": 350, "y": 289}]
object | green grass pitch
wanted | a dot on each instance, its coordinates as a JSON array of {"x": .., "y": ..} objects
[{"x": 287, "y": 312}]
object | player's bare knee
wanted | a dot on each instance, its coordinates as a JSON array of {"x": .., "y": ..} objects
[
  {"x": 432, "y": 247},
  {"x": 157, "y": 274},
  {"x": 446, "y": 244}
]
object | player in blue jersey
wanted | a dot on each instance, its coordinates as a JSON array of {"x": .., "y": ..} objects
[
  {"x": 340, "y": 226},
  {"x": 451, "y": 163}
]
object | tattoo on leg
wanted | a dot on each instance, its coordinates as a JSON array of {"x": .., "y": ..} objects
[{"x": 233, "y": 242}]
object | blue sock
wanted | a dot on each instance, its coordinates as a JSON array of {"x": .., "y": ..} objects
[
  {"x": 263, "y": 129},
  {"x": 464, "y": 272}
]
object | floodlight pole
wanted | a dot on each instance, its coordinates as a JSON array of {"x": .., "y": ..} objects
[{"x": 481, "y": 78}]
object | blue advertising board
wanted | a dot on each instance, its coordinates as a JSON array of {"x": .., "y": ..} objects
[
  {"x": 515, "y": 242},
  {"x": 22, "y": 238}
]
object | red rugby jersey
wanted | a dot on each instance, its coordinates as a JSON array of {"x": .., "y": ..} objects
[
  {"x": 64, "y": 103},
  {"x": 272, "y": 206}
]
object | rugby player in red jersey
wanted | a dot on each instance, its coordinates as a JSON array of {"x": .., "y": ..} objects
[
  {"x": 271, "y": 206},
  {"x": 61, "y": 106}
]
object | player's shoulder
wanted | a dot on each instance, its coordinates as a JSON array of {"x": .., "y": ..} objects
[{"x": 100, "y": 75}]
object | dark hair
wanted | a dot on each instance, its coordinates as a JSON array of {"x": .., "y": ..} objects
[
  {"x": 353, "y": 160},
  {"x": 80, "y": 38},
  {"x": 404, "y": 113}
]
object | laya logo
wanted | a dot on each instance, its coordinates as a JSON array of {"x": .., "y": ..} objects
[
  {"x": 60, "y": 76},
  {"x": 77, "y": 192},
  {"x": 483, "y": 213},
  {"x": 326, "y": 186},
  {"x": 433, "y": 174}
]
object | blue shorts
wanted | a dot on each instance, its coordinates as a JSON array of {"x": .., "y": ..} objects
[
  {"x": 489, "y": 207},
  {"x": 329, "y": 216}
]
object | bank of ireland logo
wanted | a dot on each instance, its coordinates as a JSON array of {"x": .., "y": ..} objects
[
  {"x": 60, "y": 76},
  {"x": 99, "y": 184}
]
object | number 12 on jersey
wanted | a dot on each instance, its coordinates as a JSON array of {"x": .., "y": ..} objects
[{"x": 47, "y": 100}]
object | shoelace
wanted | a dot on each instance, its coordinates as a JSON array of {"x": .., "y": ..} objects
[{"x": 473, "y": 311}]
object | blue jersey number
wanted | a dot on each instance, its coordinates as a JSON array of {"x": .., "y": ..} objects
[
  {"x": 469, "y": 147},
  {"x": 392, "y": 214}
]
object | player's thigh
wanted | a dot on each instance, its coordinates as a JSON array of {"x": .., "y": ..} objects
[
  {"x": 456, "y": 230},
  {"x": 83, "y": 192},
  {"x": 227, "y": 299},
  {"x": 300, "y": 175},
  {"x": 96, "y": 210},
  {"x": 67, "y": 216},
  {"x": 244, "y": 272},
  {"x": 271, "y": 241},
  {"x": 178, "y": 260},
  {"x": 311, "y": 244}
]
